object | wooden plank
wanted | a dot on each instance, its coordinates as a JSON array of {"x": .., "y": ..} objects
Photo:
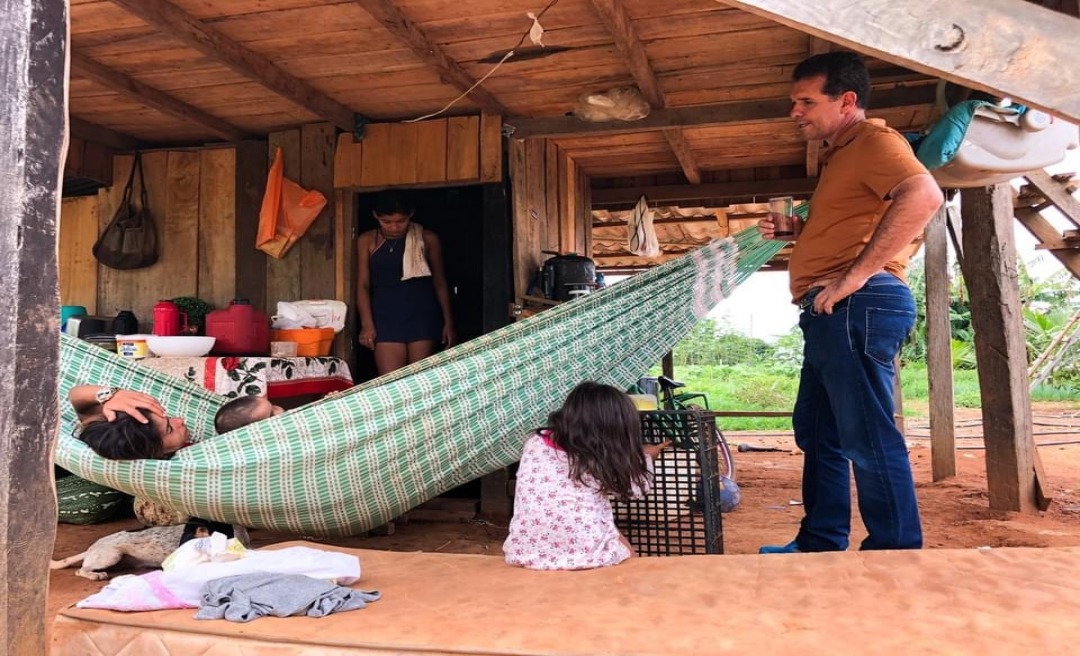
[
  {"x": 392, "y": 18},
  {"x": 463, "y": 148},
  {"x": 551, "y": 187},
  {"x": 345, "y": 231},
  {"x": 173, "y": 21},
  {"x": 568, "y": 196},
  {"x": 177, "y": 271},
  {"x": 703, "y": 116},
  {"x": 217, "y": 226},
  {"x": 78, "y": 270},
  {"x": 173, "y": 199},
  {"x": 584, "y": 214},
  {"x": 712, "y": 190},
  {"x": 250, "y": 262},
  {"x": 1045, "y": 232},
  {"x": 618, "y": 22},
  {"x": 1057, "y": 193},
  {"x": 491, "y": 148},
  {"x": 104, "y": 136},
  {"x": 348, "y": 161},
  {"x": 1020, "y": 57},
  {"x": 378, "y": 145},
  {"x": 525, "y": 227},
  {"x": 430, "y": 151},
  {"x": 1000, "y": 347},
  {"x": 316, "y": 247},
  {"x": 151, "y": 97},
  {"x": 33, "y": 85},
  {"x": 283, "y": 276},
  {"x": 401, "y": 161},
  {"x": 73, "y": 162},
  {"x": 939, "y": 363},
  {"x": 682, "y": 151}
]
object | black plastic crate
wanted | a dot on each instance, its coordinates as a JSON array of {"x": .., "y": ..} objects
[{"x": 681, "y": 513}]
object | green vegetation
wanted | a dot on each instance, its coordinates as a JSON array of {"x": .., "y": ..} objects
[{"x": 745, "y": 373}]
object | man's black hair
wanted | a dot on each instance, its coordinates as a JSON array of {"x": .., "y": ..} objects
[{"x": 843, "y": 71}]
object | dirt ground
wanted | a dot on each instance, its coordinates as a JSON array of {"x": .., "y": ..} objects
[{"x": 955, "y": 511}]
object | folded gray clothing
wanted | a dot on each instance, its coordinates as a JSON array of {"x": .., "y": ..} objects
[{"x": 246, "y": 597}]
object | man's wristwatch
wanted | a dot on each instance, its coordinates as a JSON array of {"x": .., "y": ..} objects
[{"x": 104, "y": 394}]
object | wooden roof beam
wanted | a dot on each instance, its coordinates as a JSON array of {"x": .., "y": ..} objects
[
  {"x": 391, "y": 17},
  {"x": 713, "y": 191},
  {"x": 147, "y": 95},
  {"x": 1024, "y": 56},
  {"x": 621, "y": 27},
  {"x": 103, "y": 135},
  {"x": 698, "y": 116},
  {"x": 175, "y": 22}
]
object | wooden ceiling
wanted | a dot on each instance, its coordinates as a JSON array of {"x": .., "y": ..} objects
[
  {"x": 191, "y": 72},
  {"x": 184, "y": 72}
]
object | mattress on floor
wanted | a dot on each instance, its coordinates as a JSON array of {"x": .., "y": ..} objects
[{"x": 1015, "y": 601}]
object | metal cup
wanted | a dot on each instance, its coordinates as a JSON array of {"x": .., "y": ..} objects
[{"x": 782, "y": 214}]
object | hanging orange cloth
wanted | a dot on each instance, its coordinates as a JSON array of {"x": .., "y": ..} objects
[{"x": 288, "y": 210}]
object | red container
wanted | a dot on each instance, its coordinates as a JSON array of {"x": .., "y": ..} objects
[
  {"x": 168, "y": 319},
  {"x": 239, "y": 329}
]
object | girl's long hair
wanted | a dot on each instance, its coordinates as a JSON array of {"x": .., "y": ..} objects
[{"x": 599, "y": 429}]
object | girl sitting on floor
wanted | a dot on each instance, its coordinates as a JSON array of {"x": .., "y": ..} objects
[{"x": 591, "y": 449}]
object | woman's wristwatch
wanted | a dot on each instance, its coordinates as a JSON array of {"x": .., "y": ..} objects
[{"x": 104, "y": 394}]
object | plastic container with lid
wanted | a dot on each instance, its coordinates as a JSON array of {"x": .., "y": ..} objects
[
  {"x": 310, "y": 342},
  {"x": 239, "y": 329}
]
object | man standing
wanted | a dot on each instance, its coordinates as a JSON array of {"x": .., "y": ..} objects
[{"x": 872, "y": 202}]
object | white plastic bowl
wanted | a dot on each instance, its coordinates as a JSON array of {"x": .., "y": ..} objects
[{"x": 180, "y": 346}]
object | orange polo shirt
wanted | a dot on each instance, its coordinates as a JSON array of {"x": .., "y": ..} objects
[{"x": 858, "y": 171}]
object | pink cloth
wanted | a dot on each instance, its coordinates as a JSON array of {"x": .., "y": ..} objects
[{"x": 559, "y": 523}]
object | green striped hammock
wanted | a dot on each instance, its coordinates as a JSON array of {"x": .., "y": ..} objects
[{"x": 346, "y": 464}]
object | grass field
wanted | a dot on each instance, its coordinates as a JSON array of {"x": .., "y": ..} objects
[{"x": 743, "y": 387}]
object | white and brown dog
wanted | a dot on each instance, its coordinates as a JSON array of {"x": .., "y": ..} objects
[{"x": 146, "y": 547}]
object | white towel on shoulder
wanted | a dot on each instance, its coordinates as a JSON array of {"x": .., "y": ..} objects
[{"x": 415, "y": 264}]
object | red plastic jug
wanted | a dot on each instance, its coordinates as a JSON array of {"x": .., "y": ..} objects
[
  {"x": 239, "y": 329},
  {"x": 168, "y": 319}
]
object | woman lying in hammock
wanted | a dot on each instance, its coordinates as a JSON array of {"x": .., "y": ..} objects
[{"x": 127, "y": 425}]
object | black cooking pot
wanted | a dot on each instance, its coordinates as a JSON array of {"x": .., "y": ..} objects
[{"x": 564, "y": 273}]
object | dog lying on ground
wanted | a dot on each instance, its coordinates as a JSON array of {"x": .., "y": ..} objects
[{"x": 146, "y": 547}]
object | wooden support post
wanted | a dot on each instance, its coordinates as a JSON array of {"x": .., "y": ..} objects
[
  {"x": 33, "y": 85},
  {"x": 345, "y": 232},
  {"x": 939, "y": 350},
  {"x": 667, "y": 364},
  {"x": 1000, "y": 349}
]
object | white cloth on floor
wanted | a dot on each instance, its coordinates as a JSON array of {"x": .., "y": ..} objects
[
  {"x": 415, "y": 263},
  {"x": 135, "y": 593},
  {"x": 187, "y": 583}
]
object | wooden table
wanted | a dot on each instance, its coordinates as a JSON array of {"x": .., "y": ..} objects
[{"x": 277, "y": 378}]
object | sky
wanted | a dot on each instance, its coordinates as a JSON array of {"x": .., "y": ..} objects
[{"x": 761, "y": 307}]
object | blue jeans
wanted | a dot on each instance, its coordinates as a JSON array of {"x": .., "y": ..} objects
[{"x": 843, "y": 419}]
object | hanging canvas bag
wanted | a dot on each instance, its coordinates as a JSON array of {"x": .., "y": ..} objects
[
  {"x": 130, "y": 241},
  {"x": 288, "y": 210}
]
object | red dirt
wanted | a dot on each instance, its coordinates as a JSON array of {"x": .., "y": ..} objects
[{"x": 955, "y": 512}]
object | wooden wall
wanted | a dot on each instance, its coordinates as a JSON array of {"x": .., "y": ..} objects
[
  {"x": 89, "y": 159},
  {"x": 450, "y": 151},
  {"x": 206, "y": 204},
  {"x": 551, "y": 197},
  {"x": 191, "y": 194}
]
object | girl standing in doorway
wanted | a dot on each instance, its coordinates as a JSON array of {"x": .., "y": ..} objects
[{"x": 402, "y": 295}]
